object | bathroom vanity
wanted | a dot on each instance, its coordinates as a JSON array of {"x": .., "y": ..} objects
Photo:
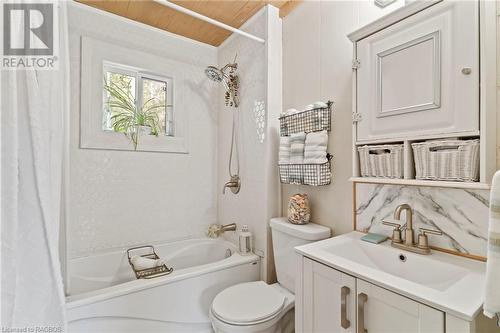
[{"x": 347, "y": 285}]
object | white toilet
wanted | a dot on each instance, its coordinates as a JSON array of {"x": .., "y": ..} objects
[{"x": 259, "y": 307}]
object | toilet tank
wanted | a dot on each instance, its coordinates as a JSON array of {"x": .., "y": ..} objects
[{"x": 285, "y": 237}]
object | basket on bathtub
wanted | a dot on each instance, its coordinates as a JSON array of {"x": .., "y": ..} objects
[{"x": 148, "y": 273}]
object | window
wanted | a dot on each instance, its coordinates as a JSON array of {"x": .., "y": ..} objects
[
  {"x": 133, "y": 99},
  {"x": 118, "y": 83}
]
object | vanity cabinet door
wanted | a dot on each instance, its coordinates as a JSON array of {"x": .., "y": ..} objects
[
  {"x": 420, "y": 76},
  {"x": 382, "y": 311},
  {"x": 329, "y": 299}
]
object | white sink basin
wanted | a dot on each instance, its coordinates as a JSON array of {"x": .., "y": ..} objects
[
  {"x": 450, "y": 283},
  {"x": 413, "y": 267}
]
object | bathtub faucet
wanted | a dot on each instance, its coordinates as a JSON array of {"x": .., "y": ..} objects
[{"x": 215, "y": 230}]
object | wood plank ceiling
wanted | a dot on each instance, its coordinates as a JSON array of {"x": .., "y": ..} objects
[{"x": 231, "y": 12}]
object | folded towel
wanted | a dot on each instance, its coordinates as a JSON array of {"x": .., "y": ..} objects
[
  {"x": 289, "y": 112},
  {"x": 314, "y": 155},
  {"x": 297, "y": 148},
  {"x": 284, "y": 141},
  {"x": 145, "y": 263},
  {"x": 298, "y": 137},
  {"x": 315, "y": 148},
  {"x": 317, "y": 138},
  {"x": 319, "y": 105},
  {"x": 491, "y": 305},
  {"x": 309, "y": 107}
]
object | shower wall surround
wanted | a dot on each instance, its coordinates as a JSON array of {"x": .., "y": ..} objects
[
  {"x": 118, "y": 199},
  {"x": 462, "y": 215},
  {"x": 259, "y": 70}
]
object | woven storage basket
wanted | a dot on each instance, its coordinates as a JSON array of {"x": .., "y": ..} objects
[
  {"x": 381, "y": 161},
  {"x": 456, "y": 160}
]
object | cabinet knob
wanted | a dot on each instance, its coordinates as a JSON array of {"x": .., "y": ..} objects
[{"x": 466, "y": 70}]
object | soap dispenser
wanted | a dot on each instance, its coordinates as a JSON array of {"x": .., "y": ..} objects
[{"x": 245, "y": 241}]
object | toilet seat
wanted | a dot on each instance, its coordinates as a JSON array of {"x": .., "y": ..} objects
[{"x": 248, "y": 304}]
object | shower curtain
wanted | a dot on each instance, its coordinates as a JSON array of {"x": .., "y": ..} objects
[{"x": 34, "y": 113}]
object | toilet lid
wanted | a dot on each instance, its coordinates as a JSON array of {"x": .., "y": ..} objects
[{"x": 247, "y": 303}]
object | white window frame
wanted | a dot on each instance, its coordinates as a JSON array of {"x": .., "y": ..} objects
[
  {"x": 96, "y": 57},
  {"x": 139, "y": 77}
]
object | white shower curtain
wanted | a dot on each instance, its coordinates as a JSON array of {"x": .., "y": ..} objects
[{"x": 34, "y": 113}]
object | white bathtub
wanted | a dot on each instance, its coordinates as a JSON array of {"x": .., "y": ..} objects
[{"x": 106, "y": 297}]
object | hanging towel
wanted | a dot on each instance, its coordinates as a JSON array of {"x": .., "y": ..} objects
[
  {"x": 284, "y": 150},
  {"x": 315, "y": 148},
  {"x": 491, "y": 306},
  {"x": 297, "y": 141}
]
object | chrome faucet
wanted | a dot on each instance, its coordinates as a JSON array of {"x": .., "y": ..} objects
[
  {"x": 215, "y": 230},
  {"x": 234, "y": 184},
  {"x": 408, "y": 244}
]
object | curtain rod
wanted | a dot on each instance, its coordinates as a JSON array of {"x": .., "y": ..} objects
[{"x": 189, "y": 12}]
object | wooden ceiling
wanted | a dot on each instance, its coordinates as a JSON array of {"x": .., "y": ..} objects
[{"x": 231, "y": 12}]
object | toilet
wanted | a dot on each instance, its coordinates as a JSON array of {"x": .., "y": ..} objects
[{"x": 259, "y": 307}]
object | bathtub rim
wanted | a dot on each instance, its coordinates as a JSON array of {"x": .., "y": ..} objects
[{"x": 79, "y": 300}]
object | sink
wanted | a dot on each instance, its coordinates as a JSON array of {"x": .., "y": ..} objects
[
  {"x": 446, "y": 282},
  {"x": 413, "y": 267}
]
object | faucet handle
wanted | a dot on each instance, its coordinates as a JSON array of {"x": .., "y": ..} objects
[
  {"x": 423, "y": 240},
  {"x": 396, "y": 233}
]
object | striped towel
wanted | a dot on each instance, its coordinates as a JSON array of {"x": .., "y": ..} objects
[
  {"x": 284, "y": 150},
  {"x": 491, "y": 305},
  {"x": 297, "y": 148}
]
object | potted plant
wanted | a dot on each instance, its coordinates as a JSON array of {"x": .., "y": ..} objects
[{"x": 127, "y": 118}]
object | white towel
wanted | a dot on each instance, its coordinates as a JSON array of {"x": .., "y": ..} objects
[
  {"x": 491, "y": 305},
  {"x": 145, "y": 263},
  {"x": 284, "y": 150},
  {"x": 297, "y": 143},
  {"x": 298, "y": 137},
  {"x": 315, "y": 148},
  {"x": 317, "y": 138},
  {"x": 289, "y": 112}
]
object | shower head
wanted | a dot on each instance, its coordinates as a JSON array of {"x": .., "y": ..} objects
[{"x": 214, "y": 74}]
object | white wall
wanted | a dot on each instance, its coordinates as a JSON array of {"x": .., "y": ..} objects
[
  {"x": 258, "y": 199},
  {"x": 118, "y": 199},
  {"x": 317, "y": 58}
]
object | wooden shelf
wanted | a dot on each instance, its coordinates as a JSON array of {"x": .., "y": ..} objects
[{"x": 416, "y": 182}]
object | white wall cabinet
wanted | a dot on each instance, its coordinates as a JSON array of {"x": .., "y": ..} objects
[
  {"x": 337, "y": 302},
  {"x": 420, "y": 77}
]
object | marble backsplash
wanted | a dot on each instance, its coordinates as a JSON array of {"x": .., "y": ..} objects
[{"x": 461, "y": 214}]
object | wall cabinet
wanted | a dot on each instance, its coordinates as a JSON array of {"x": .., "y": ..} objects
[
  {"x": 420, "y": 77},
  {"x": 337, "y": 302},
  {"x": 427, "y": 71}
]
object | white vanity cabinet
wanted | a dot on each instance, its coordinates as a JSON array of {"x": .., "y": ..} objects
[
  {"x": 419, "y": 77},
  {"x": 382, "y": 311},
  {"x": 333, "y": 301},
  {"x": 329, "y": 299}
]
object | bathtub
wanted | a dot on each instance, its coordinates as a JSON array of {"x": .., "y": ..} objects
[{"x": 104, "y": 295}]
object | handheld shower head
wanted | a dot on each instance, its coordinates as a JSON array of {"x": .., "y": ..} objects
[{"x": 214, "y": 74}]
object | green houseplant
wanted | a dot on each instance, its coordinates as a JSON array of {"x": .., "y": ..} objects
[{"x": 129, "y": 119}]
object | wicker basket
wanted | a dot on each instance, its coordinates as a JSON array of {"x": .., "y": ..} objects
[
  {"x": 455, "y": 160},
  {"x": 384, "y": 161}
]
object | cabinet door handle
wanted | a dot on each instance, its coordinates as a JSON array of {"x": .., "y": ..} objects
[
  {"x": 362, "y": 299},
  {"x": 344, "y": 322}
]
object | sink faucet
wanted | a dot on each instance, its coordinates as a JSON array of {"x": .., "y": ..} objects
[
  {"x": 408, "y": 244},
  {"x": 234, "y": 184},
  {"x": 409, "y": 222}
]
